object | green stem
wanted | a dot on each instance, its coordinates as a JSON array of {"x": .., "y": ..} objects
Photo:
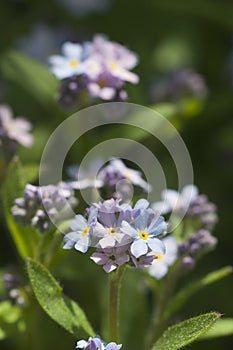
[
  {"x": 158, "y": 322},
  {"x": 114, "y": 286}
]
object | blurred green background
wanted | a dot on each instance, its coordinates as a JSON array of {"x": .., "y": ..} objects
[{"x": 167, "y": 35}]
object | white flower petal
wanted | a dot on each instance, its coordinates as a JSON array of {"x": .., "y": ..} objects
[
  {"x": 156, "y": 245},
  {"x": 79, "y": 223},
  {"x": 72, "y": 50},
  {"x": 107, "y": 241},
  {"x": 189, "y": 193},
  {"x": 139, "y": 248},
  {"x": 158, "y": 269},
  {"x": 128, "y": 229}
]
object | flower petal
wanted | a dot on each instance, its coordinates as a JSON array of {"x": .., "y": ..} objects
[
  {"x": 156, "y": 245},
  {"x": 138, "y": 248}
]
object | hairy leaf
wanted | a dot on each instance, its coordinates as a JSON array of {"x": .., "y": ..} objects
[
  {"x": 186, "y": 332},
  {"x": 66, "y": 312}
]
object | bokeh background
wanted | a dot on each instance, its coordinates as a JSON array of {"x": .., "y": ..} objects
[{"x": 168, "y": 36}]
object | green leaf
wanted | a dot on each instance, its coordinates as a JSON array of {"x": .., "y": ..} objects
[
  {"x": 30, "y": 172},
  {"x": 222, "y": 328},
  {"x": 60, "y": 308},
  {"x": 186, "y": 332},
  {"x": 181, "y": 297},
  {"x": 25, "y": 238},
  {"x": 32, "y": 76}
]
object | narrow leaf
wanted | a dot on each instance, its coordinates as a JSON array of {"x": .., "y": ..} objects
[
  {"x": 222, "y": 328},
  {"x": 66, "y": 312},
  {"x": 181, "y": 297},
  {"x": 186, "y": 332},
  {"x": 30, "y": 75}
]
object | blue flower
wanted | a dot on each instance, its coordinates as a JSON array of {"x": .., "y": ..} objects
[
  {"x": 84, "y": 178},
  {"x": 144, "y": 232},
  {"x": 108, "y": 227},
  {"x": 161, "y": 263},
  {"x": 80, "y": 237},
  {"x": 70, "y": 63}
]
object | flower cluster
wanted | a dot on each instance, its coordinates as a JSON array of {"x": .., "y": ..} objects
[
  {"x": 98, "y": 69},
  {"x": 198, "y": 243},
  {"x": 119, "y": 233},
  {"x": 188, "y": 203},
  {"x": 97, "y": 344},
  {"x": 200, "y": 217},
  {"x": 13, "y": 131},
  {"x": 179, "y": 84},
  {"x": 40, "y": 203},
  {"x": 110, "y": 178}
]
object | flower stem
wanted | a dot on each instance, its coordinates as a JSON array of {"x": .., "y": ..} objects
[
  {"x": 158, "y": 321},
  {"x": 114, "y": 287}
]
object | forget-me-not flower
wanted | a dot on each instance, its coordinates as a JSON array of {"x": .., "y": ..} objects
[
  {"x": 144, "y": 232},
  {"x": 80, "y": 237},
  {"x": 116, "y": 166},
  {"x": 70, "y": 63},
  {"x": 97, "y": 344},
  {"x": 159, "y": 268},
  {"x": 84, "y": 178}
]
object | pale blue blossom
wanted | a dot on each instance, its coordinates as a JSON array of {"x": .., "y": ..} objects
[
  {"x": 161, "y": 263},
  {"x": 70, "y": 63},
  {"x": 144, "y": 232},
  {"x": 84, "y": 178},
  {"x": 188, "y": 202},
  {"x": 175, "y": 201},
  {"x": 80, "y": 237}
]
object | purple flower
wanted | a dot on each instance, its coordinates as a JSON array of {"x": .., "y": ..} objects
[
  {"x": 111, "y": 257},
  {"x": 143, "y": 261},
  {"x": 98, "y": 69},
  {"x": 40, "y": 203},
  {"x": 116, "y": 59},
  {"x": 91, "y": 344},
  {"x": 179, "y": 84},
  {"x": 97, "y": 344},
  {"x": 108, "y": 227},
  {"x": 117, "y": 171}
]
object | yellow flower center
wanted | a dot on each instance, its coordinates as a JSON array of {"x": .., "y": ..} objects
[
  {"x": 143, "y": 235},
  {"x": 73, "y": 63},
  {"x": 158, "y": 257},
  {"x": 85, "y": 231},
  {"x": 113, "y": 65},
  {"x": 112, "y": 231}
]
